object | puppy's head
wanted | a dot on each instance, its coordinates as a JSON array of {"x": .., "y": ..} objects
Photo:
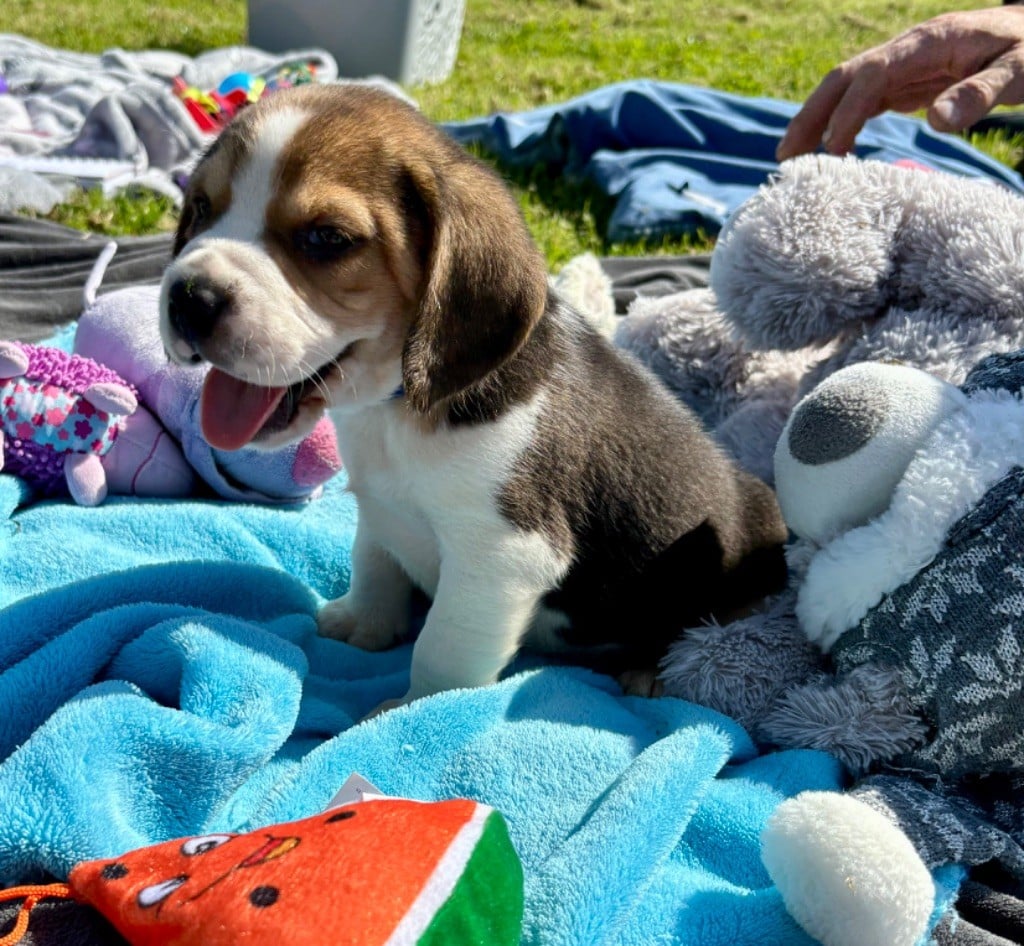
[{"x": 336, "y": 248}]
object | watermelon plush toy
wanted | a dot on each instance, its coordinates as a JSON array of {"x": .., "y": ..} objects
[{"x": 381, "y": 871}]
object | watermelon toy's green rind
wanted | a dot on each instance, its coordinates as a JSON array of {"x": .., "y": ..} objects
[{"x": 486, "y": 906}]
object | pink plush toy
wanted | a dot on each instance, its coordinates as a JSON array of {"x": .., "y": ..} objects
[
  {"x": 70, "y": 425},
  {"x": 121, "y": 329}
]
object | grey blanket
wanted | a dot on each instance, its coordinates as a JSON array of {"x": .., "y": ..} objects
[
  {"x": 45, "y": 269},
  {"x": 113, "y": 118}
]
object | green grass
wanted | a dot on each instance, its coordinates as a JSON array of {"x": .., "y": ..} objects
[
  {"x": 519, "y": 54},
  {"x": 130, "y": 211}
]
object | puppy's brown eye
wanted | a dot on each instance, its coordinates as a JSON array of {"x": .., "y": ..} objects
[{"x": 323, "y": 242}]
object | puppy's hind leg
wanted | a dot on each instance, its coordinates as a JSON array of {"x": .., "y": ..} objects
[{"x": 375, "y": 612}]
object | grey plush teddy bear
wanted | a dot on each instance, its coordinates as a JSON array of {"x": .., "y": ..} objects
[
  {"x": 836, "y": 261},
  {"x": 900, "y": 644}
]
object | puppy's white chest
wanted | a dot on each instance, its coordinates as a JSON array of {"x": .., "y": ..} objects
[
  {"x": 400, "y": 526},
  {"x": 384, "y": 476},
  {"x": 429, "y": 495}
]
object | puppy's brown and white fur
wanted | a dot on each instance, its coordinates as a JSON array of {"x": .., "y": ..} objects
[{"x": 339, "y": 252}]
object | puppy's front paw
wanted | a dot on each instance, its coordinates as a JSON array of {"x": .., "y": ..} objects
[{"x": 343, "y": 620}]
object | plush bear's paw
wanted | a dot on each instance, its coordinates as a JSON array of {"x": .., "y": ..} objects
[
  {"x": 346, "y": 619},
  {"x": 13, "y": 360},
  {"x": 847, "y": 874}
]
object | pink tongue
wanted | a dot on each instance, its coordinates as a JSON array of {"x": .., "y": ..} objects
[{"x": 231, "y": 412}]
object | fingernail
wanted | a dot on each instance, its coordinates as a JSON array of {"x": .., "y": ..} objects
[
  {"x": 947, "y": 112},
  {"x": 826, "y": 137}
]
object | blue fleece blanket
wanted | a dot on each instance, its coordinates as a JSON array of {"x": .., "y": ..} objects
[
  {"x": 677, "y": 158},
  {"x": 160, "y": 676}
]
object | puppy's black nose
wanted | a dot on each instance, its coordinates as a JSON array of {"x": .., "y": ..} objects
[{"x": 194, "y": 304}]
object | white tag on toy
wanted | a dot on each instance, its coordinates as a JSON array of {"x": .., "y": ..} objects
[{"x": 355, "y": 789}]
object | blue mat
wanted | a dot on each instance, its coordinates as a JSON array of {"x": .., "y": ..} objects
[
  {"x": 677, "y": 159},
  {"x": 160, "y": 676}
]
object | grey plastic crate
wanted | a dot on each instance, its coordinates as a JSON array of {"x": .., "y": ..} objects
[{"x": 410, "y": 41}]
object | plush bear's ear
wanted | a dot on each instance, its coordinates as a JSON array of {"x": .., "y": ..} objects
[
  {"x": 810, "y": 255},
  {"x": 111, "y": 397},
  {"x": 13, "y": 360},
  {"x": 484, "y": 285}
]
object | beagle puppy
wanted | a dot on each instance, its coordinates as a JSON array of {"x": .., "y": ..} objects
[{"x": 337, "y": 252}]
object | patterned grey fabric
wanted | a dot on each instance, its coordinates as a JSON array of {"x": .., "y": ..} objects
[
  {"x": 956, "y": 635},
  {"x": 948, "y": 827},
  {"x": 1003, "y": 372}
]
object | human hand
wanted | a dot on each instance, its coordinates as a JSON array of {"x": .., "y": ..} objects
[{"x": 958, "y": 65}]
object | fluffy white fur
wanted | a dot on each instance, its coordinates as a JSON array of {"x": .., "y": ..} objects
[
  {"x": 964, "y": 456},
  {"x": 847, "y": 875},
  {"x": 427, "y": 515},
  {"x": 915, "y": 403},
  {"x": 586, "y": 286}
]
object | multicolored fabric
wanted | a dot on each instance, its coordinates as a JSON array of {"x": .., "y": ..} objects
[
  {"x": 382, "y": 872},
  {"x": 42, "y": 413},
  {"x": 44, "y": 418}
]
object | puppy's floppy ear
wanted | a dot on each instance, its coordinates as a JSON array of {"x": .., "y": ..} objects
[
  {"x": 183, "y": 231},
  {"x": 485, "y": 282}
]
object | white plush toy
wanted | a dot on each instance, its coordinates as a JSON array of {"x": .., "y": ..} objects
[
  {"x": 842, "y": 454},
  {"x": 907, "y": 494}
]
